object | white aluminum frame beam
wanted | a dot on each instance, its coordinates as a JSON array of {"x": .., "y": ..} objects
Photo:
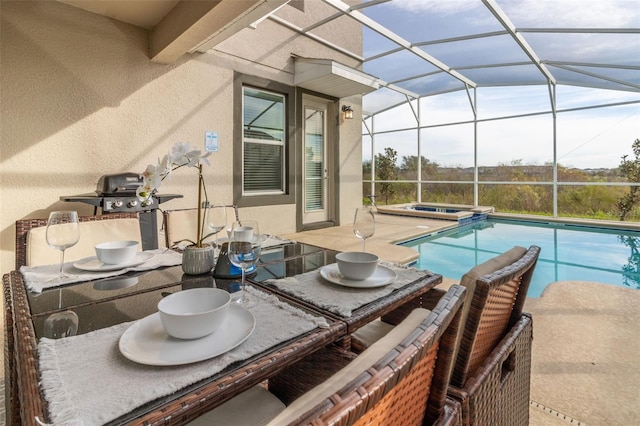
[
  {"x": 528, "y": 50},
  {"x": 385, "y": 32}
]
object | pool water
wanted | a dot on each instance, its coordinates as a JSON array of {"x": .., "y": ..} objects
[{"x": 568, "y": 252}]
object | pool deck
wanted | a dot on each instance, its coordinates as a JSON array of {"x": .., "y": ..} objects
[{"x": 585, "y": 367}]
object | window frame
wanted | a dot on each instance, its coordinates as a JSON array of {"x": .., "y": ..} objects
[{"x": 288, "y": 92}]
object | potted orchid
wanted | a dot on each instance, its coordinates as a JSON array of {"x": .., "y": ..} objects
[{"x": 198, "y": 257}]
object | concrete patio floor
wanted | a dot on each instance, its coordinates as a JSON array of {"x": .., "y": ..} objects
[{"x": 585, "y": 368}]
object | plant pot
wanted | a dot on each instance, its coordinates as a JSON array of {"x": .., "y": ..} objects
[{"x": 197, "y": 260}]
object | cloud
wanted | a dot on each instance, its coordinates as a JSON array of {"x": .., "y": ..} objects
[
  {"x": 447, "y": 7},
  {"x": 572, "y": 13}
]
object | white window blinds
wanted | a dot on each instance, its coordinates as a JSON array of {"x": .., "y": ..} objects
[{"x": 263, "y": 153}]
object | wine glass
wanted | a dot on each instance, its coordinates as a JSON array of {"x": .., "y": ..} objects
[
  {"x": 61, "y": 324},
  {"x": 216, "y": 220},
  {"x": 364, "y": 223},
  {"x": 244, "y": 250},
  {"x": 63, "y": 231}
]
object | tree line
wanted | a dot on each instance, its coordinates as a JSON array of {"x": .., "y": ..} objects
[{"x": 518, "y": 191}]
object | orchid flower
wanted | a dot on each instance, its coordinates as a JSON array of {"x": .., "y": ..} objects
[{"x": 181, "y": 155}]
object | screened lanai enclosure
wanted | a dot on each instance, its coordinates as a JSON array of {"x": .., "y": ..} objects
[{"x": 529, "y": 106}]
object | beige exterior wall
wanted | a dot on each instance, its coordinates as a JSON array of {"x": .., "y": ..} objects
[{"x": 80, "y": 99}]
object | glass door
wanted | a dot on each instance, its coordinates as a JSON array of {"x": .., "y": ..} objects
[{"x": 316, "y": 173}]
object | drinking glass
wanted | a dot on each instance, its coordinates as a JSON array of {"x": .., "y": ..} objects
[
  {"x": 63, "y": 231},
  {"x": 216, "y": 220},
  {"x": 61, "y": 324},
  {"x": 364, "y": 223},
  {"x": 245, "y": 244}
]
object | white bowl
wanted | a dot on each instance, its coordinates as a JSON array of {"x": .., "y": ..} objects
[
  {"x": 194, "y": 313},
  {"x": 356, "y": 265},
  {"x": 115, "y": 252}
]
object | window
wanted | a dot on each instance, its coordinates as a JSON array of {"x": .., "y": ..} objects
[{"x": 263, "y": 143}]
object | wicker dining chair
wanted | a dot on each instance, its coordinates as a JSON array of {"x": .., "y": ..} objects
[
  {"x": 400, "y": 380},
  {"x": 493, "y": 362},
  {"x": 488, "y": 360},
  {"x": 31, "y": 232},
  {"x": 127, "y": 227},
  {"x": 181, "y": 223}
]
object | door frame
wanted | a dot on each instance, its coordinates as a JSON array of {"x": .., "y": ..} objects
[{"x": 331, "y": 160}]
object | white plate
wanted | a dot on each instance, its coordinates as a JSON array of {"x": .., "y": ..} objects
[
  {"x": 146, "y": 342},
  {"x": 93, "y": 264},
  {"x": 382, "y": 276}
]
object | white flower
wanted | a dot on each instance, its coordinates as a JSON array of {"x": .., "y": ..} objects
[{"x": 181, "y": 155}]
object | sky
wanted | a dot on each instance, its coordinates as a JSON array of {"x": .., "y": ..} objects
[{"x": 591, "y": 138}]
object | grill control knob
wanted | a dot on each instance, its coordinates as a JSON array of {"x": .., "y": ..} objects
[
  {"x": 132, "y": 203},
  {"x": 117, "y": 203}
]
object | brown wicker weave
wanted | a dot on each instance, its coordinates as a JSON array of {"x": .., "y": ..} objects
[
  {"x": 495, "y": 307},
  {"x": 24, "y": 225},
  {"x": 26, "y": 402},
  {"x": 498, "y": 392},
  {"x": 10, "y": 383},
  {"x": 314, "y": 369},
  {"x": 407, "y": 386},
  {"x": 12, "y": 401}
]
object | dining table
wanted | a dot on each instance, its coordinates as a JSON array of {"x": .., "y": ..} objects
[{"x": 119, "y": 367}]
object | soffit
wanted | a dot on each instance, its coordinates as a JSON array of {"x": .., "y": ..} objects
[
  {"x": 332, "y": 78},
  {"x": 177, "y": 27}
]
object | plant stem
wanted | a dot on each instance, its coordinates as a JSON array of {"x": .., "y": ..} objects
[{"x": 199, "y": 235}]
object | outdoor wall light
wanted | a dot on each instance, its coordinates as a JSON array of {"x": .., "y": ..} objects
[{"x": 348, "y": 112}]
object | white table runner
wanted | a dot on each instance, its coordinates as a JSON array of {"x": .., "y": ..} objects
[
  {"x": 312, "y": 288},
  {"x": 87, "y": 381},
  {"x": 35, "y": 277}
]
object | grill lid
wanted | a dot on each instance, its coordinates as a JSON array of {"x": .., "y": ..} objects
[{"x": 119, "y": 184}]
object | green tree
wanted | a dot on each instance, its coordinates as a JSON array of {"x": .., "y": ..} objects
[
  {"x": 386, "y": 171},
  {"x": 409, "y": 166},
  {"x": 631, "y": 170}
]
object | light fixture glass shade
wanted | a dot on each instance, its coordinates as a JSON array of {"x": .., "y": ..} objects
[{"x": 348, "y": 112}]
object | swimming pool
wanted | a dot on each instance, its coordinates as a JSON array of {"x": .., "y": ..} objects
[{"x": 568, "y": 252}]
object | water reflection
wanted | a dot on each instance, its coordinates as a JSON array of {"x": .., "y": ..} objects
[{"x": 631, "y": 271}]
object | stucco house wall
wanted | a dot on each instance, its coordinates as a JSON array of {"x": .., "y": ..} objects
[{"x": 80, "y": 98}]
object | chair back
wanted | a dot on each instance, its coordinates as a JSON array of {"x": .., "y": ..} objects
[
  {"x": 181, "y": 224},
  {"x": 497, "y": 290},
  {"x": 32, "y": 248},
  {"x": 381, "y": 385}
]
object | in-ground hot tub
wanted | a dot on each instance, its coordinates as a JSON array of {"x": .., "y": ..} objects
[{"x": 460, "y": 213}]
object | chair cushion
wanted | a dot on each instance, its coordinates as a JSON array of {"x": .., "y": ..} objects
[
  {"x": 91, "y": 233},
  {"x": 253, "y": 407},
  {"x": 491, "y": 265},
  {"x": 370, "y": 333},
  {"x": 365, "y": 360}
]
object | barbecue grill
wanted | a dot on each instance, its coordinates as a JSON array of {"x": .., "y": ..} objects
[{"x": 117, "y": 194}]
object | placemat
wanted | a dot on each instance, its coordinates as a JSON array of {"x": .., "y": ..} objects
[
  {"x": 35, "y": 277},
  {"x": 87, "y": 381},
  {"x": 312, "y": 288}
]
